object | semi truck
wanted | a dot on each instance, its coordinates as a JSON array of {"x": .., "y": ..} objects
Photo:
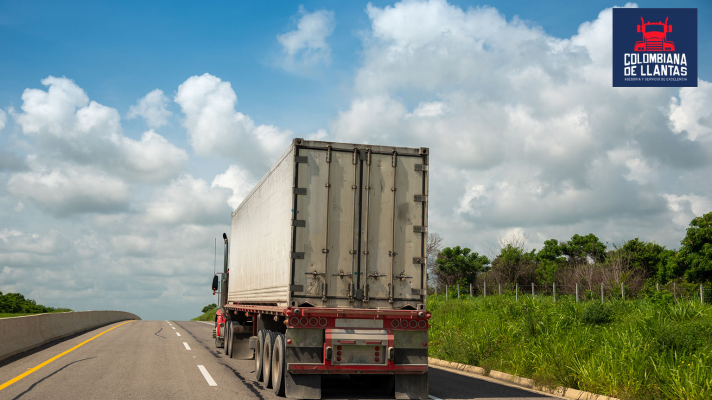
[
  {"x": 325, "y": 270},
  {"x": 654, "y": 36}
]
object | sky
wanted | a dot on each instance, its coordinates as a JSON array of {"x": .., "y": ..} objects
[{"x": 130, "y": 130}]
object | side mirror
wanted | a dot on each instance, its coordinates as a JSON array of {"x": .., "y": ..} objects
[
  {"x": 638, "y": 28},
  {"x": 669, "y": 28},
  {"x": 215, "y": 283}
]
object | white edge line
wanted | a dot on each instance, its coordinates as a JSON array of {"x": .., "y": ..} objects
[
  {"x": 430, "y": 396},
  {"x": 207, "y": 376},
  {"x": 209, "y": 323},
  {"x": 186, "y": 345},
  {"x": 177, "y": 333}
]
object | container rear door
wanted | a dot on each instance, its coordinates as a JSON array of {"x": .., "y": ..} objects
[
  {"x": 327, "y": 225},
  {"x": 392, "y": 229}
]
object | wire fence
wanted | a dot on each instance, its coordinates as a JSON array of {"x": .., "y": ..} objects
[{"x": 674, "y": 291}]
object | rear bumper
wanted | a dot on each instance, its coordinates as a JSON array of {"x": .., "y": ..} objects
[{"x": 410, "y": 369}]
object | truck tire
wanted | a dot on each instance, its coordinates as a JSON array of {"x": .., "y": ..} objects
[
  {"x": 278, "y": 364},
  {"x": 267, "y": 358},
  {"x": 258, "y": 355}
]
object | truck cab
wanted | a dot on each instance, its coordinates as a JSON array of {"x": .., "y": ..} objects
[{"x": 654, "y": 36}]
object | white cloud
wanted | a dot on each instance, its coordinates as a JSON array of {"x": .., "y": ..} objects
[
  {"x": 64, "y": 121},
  {"x": 693, "y": 111},
  {"x": 3, "y": 120},
  {"x": 216, "y": 128},
  {"x": 687, "y": 206},
  {"x": 188, "y": 200},
  {"x": 306, "y": 46},
  {"x": 69, "y": 190},
  {"x": 524, "y": 128},
  {"x": 237, "y": 180},
  {"x": 153, "y": 108}
]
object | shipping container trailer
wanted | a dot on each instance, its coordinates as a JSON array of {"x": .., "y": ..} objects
[{"x": 325, "y": 270}]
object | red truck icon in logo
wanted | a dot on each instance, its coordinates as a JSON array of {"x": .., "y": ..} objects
[{"x": 654, "y": 36}]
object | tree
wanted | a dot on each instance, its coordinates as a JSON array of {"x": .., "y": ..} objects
[
  {"x": 694, "y": 258},
  {"x": 432, "y": 251},
  {"x": 209, "y": 307},
  {"x": 551, "y": 259},
  {"x": 582, "y": 248},
  {"x": 649, "y": 257},
  {"x": 460, "y": 265},
  {"x": 513, "y": 264}
]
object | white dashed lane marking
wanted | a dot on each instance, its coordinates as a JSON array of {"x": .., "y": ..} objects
[
  {"x": 430, "y": 396},
  {"x": 177, "y": 333},
  {"x": 207, "y": 376},
  {"x": 186, "y": 346}
]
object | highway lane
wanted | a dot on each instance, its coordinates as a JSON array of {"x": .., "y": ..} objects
[{"x": 178, "y": 360}]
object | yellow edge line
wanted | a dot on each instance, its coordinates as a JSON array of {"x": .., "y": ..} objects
[{"x": 17, "y": 378}]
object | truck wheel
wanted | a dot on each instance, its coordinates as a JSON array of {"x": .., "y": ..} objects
[
  {"x": 228, "y": 329},
  {"x": 258, "y": 355},
  {"x": 278, "y": 365},
  {"x": 267, "y": 358}
]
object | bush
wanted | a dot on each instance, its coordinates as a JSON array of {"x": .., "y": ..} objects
[{"x": 597, "y": 313}]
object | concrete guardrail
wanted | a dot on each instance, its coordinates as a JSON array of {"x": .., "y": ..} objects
[{"x": 18, "y": 334}]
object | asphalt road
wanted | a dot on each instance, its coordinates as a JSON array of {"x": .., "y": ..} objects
[{"x": 178, "y": 360}]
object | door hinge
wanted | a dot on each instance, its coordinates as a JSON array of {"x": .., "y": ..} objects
[
  {"x": 420, "y": 197},
  {"x": 421, "y": 167},
  {"x": 299, "y": 190},
  {"x": 298, "y": 255},
  {"x": 296, "y": 288},
  {"x": 420, "y": 260},
  {"x": 301, "y": 159},
  {"x": 299, "y": 222},
  {"x": 420, "y": 229}
]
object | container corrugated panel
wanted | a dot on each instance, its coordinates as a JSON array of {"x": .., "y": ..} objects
[{"x": 334, "y": 225}]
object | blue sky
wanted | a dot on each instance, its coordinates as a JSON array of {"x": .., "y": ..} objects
[
  {"x": 119, "y": 51},
  {"x": 134, "y": 154}
]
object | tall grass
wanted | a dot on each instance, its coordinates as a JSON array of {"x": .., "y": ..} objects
[
  {"x": 631, "y": 350},
  {"x": 208, "y": 316}
]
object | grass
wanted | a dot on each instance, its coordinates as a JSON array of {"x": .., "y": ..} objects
[
  {"x": 208, "y": 316},
  {"x": 636, "y": 349},
  {"x": 10, "y": 315}
]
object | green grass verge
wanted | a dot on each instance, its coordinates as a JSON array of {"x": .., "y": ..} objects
[
  {"x": 631, "y": 350},
  {"x": 10, "y": 315},
  {"x": 208, "y": 316}
]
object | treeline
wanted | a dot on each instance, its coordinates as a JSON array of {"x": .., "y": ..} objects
[
  {"x": 15, "y": 303},
  {"x": 582, "y": 259}
]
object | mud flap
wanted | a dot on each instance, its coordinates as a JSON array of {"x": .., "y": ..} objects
[
  {"x": 412, "y": 386},
  {"x": 303, "y": 386},
  {"x": 240, "y": 346}
]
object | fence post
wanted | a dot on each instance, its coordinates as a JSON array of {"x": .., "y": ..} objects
[
  {"x": 577, "y": 292},
  {"x": 674, "y": 291},
  {"x": 500, "y": 290},
  {"x": 485, "y": 291},
  {"x": 516, "y": 292},
  {"x": 554, "y": 292},
  {"x": 602, "y": 298},
  {"x": 470, "y": 290},
  {"x": 702, "y": 294},
  {"x": 622, "y": 291},
  {"x": 532, "y": 289},
  {"x": 657, "y": 286}
]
